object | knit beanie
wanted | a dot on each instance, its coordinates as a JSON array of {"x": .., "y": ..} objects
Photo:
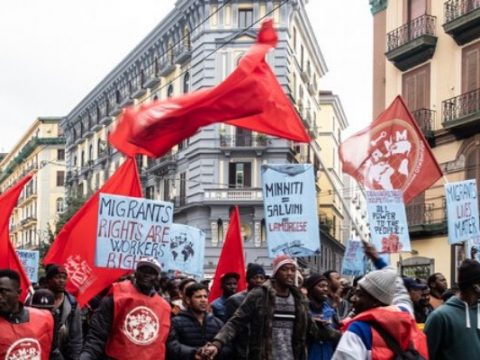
[
  {"x": 468, "y": 274},
  {"x": 313, "y": 280},
  {"x": 281, "y": 260},
  {"x": 380, "y": 284},
  {"x": 254, "y": 270}
]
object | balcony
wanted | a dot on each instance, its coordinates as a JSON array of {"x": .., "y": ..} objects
[
  {"x": 426, "y": 219},
  {"x": 426, "y": 120},
  {"x": 461, "y": 114},
  {"x": 233, "y": 195},
  {"x": 244, "y": 140},
  {"x": 183, "y": 53},
  {"x": 166, "y": 66},
  {"x": 162, "y": 165},
  {"x": 412, "y": 43},
  {"x": 462, "y": 20},
  {"x": 28, "y": 220}
]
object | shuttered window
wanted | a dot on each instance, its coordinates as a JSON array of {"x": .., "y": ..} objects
[
  {"x": 416, "y": 88},
  {"x": 470, "y": 68}
]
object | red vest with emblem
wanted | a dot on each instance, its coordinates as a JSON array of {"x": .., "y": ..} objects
[
  {"x": 29, "y": 340},
  {"x": 140, "y": 324},
  {"x": 397, "y": 323}
]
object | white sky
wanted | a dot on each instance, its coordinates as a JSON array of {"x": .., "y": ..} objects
[{"x": 53, "y": 52}]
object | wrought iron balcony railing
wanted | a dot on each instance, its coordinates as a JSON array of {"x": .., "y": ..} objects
[
  {"x": 423, "y": 25},
  {"x": 426, "y": 213},
  {"x": 425, "y": 119},
  {"x": 461, "y": 106},
  {"x": 457, "y": 8},
  {"x": 244, "y": 140}
]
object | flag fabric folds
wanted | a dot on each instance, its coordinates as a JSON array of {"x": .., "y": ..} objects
[
  {"x": 250, "y": 97},
  {"x": 231, "y": 259},
  {"x": 391, "y": 154},
  {"x": 74, "y": 247},
  {"x": 8, "y": 255}
]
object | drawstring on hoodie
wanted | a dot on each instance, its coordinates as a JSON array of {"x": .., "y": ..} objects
[
  {"x": 478, "y": 315},
  {"x": 467, "y": 314}
]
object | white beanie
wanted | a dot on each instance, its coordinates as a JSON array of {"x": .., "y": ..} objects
[{"x": 380, "y": 284}]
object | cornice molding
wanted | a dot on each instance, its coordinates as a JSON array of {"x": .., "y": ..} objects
[{"x": 377, "y": 6}]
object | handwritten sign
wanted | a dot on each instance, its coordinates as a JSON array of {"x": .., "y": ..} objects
[
  {"x": 462, "y": 209},
  {"x": 30, "y": 260},
  {"x": 354, "y": 259},
  {"x": 129, "y": 228},
  {"x": 187, "y": 248},
  {"x": 388, "y": 221},
  {"x": 290, "y": 205}
]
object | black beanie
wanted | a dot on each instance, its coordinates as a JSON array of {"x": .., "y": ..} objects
[
  {"x": 253, "y": 270},
  {"x": 468, "y": 274},
  {"x": 313, "y": 280}
]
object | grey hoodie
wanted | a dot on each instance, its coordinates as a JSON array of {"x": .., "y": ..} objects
[{"x": 453, "y": 331}]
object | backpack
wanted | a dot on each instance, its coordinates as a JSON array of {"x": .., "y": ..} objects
[{"x": 409, "y": 354}]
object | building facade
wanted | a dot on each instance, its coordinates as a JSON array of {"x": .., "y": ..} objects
[
  {"x": 40, "y": 150},
  {"x": 429, "y": 52},
  {"x": 196, "y": 46}
]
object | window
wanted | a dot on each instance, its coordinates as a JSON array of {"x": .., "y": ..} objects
[
  {"x": 245, "y": 18},
  {"x": 186, "y": 38},
  {"x": 59, "y": 205},
  {"x": 183, "y": 189},
  {"x": 82, "y": 158},
  {"x": 90, "y": 153},
  {"x": 61, "y": 154},
  {"x": 243, "y": 137},
  {"x": 166, "y": 190},
  {"x": 170, "y": 91},
  {"x": 301, "y": 57},
  {"x": 239, "y": 175},
  {"x": 294, "y": 39},
  {"x": 416, "y": 88},
  {"x": 186, "y": 83},
  {"x": 60, "y": 178},
  {"x": 100, "y": 148},
  {"x": 472, "y": 165},
  {"x": 471, "y": 68},
  {"x": 150, "y": 192}
]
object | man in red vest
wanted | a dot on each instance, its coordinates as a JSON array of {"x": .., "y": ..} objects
[
  {"x": 23, "y": 330},
  {"x": 384, "y": 315},
  {"x": 132, "y": 322}
]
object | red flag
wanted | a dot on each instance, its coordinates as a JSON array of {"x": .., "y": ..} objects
[
  {"x": 8, "y": 257},
  {"x": 391, "y": 154},
  {"x": 249, "y": 97},
  {"x": 231, "y": 259},
  {"x": 74, "y": 247}
]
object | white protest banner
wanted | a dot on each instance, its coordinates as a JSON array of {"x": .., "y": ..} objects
[
  {"x": 129, "y": 228},
  {"x": 187, "y": 247},
  {"x": 290, "y": 204},
  {"x": 388, "y": 221},
  {"x": 354, "y": 259},
  {"x": 30, "y": 260},
  {"x": 462, "y": 210}
]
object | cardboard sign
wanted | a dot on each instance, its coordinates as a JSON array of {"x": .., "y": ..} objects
[
  {"x": 30, "y": 260},
  {"x": 354, "y": 259},
  {"x": 187, "y": 249}
]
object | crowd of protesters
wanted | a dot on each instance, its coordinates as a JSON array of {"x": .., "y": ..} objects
[{"x": 147, "y": 316}]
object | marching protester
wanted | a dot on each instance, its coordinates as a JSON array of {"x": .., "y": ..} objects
[
  {"x": 66, "y": 312},
  {"x": 453, "y": 330},
  {"x": 438, "y": 285},
  {"x": 383, "y": 325},
  {"x": 193, "y": 328},
  {"x": 277, "y": 315},
  {"x": 23, "y": 330},
  {"x": 180, "y": 304},
  {"x": 320, "y": 310},
  {"x": 228, "y": 284},
  {"x": 255, "y": 277},
  {"x": 133, "y": 321}
]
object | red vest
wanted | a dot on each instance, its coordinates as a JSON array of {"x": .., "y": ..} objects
[
  {"x": 397, "y": 323},
  {"x": 29, "y": 340},
  {"x": 140, "y": 324}
]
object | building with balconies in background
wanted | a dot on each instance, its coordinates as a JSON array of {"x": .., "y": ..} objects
[
  {"x": 429, "y": 52},
  {"x": 196, "y": 46},
  {"x": 40, "y": 150}
]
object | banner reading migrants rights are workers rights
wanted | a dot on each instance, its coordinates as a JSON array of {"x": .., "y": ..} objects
[
  {"x": 290, "y": 203},
  {"x": 129, "y": 228}
]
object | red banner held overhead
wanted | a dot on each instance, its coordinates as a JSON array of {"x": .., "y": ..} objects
[
  {"x": 8, "y": 256},
  {"x": 250, "y": 97},
  {"x": 231, "y": 259},
  {"x": 74, "y": 247},
  {"x": 391, "y": 154}
]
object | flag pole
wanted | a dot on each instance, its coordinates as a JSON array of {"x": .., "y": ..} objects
[{"x": 316, "y": 150}]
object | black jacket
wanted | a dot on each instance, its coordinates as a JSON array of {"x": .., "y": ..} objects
[{"x": 187, "y": 335}]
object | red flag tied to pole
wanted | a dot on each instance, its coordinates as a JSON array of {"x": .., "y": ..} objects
[
  {"x": 231, "y": 258},
  {"x": 74, "y": 247},
  {"x": 250, "y": 97},
  {"x": 391, "y": 154},
  {"x": 8, "y": 256}
]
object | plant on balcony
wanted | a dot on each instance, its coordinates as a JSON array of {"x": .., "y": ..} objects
[{"x": 262, "y": 139}]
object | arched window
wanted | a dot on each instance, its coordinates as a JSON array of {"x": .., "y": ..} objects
[
  {"x": 186, "y": 38},
  {"x": 59, "y": 205},
  {"x": 99, "y": 147},
  {"x": 186, "y": 83},
  {"x": 90, "y": 153},
  {"x": 170, "y": 91}
]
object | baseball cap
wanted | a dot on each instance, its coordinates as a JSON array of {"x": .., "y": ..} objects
[
  {"x": 412, "y": 284},
  {"x": 151, "y": 262}
]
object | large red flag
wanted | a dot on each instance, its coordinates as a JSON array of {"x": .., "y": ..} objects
[
  {"x": 232, "y": 257},
  {"x": 391, "y": 154},
  {"x": 74, "y": 247},
  {"x": 249, "y": 97},
  {"x": 8, "y": 256}
]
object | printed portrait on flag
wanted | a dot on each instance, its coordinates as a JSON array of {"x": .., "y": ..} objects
[
  {"x": 388, "y": 221},
  {"x": 290, "y": 204},
  {"x": 187, "y": 249}
]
